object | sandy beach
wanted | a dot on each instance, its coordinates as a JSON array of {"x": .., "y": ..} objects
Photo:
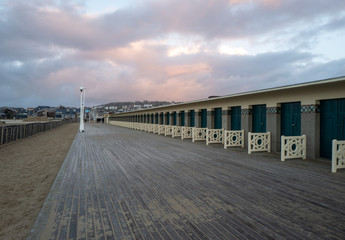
[{"x": 28, "y": 170}]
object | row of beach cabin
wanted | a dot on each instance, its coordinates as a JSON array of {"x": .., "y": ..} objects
[{"x": 304, "y": 120}]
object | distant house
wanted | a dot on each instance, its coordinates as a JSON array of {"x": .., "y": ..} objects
[
  {"x": 147, "y": 105},
  {"x": 3, "y": 115},
  {"x": 10, "y": 113},
  {"x": 66, "y": 113},
  {"x": 21, "y": 113}
]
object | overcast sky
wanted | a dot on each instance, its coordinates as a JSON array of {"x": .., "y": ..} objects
[{"x": 171, "y": 50}]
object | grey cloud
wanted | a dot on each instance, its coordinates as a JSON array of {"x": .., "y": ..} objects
[{"x": 48, "y": 55}]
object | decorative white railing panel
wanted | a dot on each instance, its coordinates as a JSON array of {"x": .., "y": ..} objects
[
  {"x": 259, "y": 142},
  {"x": 143, "y": 126},
  {"x": 199, "y": 134},
  {"x": 186, "y": 132},
  {"x": 149, "y": 127},
  {"x": 161, "y": 129},
  {"x": 121, "y": 124},
  {"x": 293, "y": 147},
  {"x": 214, "y": 136},
  {"x": 136, "y": 126},
  {"x": 233, "y": 138},
  {"x": 155, "y": 128},
  {"x": 168, "y": 130},
  {"x": 176, "y": 131},
  {"x": 338, "y": 155}
]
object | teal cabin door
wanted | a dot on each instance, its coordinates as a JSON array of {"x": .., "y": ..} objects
[
  {"x": 182, "y": 118},
  {"x": 259, "y": 118},
  {"x": 162, "y": 118},
  {"x": 167, "y": 118},
  {"x": 192, "y": 118},
  {"x": 291, "y": 119},
  {"x": 236, "y": 118},
  {"x": 174, "y": 118},
  {"x": 332, "y": 124},
  {"x": 217, "y": 118},
  {"x": 203, "y": 116}
]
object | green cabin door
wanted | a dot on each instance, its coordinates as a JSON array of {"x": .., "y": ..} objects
[
  {"x": 217, "y": 118},
  {"x": 259, "y": 118},
  {"x": 236, "y": 118},
  {"x": 332, "y": 124},
  {"x": 203, "y": 116},
  {"x": 291, "y": 119},
  {"x": 192, "y": 118}
]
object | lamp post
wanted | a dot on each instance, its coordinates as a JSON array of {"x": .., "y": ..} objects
[{"x": 82, "y": 103}]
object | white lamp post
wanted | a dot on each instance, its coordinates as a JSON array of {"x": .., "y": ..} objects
[{"x": 82, "y": 103}]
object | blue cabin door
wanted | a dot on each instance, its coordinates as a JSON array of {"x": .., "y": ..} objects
[
  {"x": 203, "y": 115},
  {"x": 236, "y": 118},
  {"x": 259, "y": 118},
  {"x": 332, "y": 124},
  {"x": 217, "y": 118},
  {"x": 291, "y": 119}
]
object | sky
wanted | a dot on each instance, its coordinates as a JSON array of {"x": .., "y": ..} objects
[{"x": 169, "y": 50}]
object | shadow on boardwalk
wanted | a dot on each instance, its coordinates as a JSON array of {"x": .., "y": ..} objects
[{"x": 118, "y": 183}]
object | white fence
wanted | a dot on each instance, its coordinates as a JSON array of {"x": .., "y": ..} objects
[
  {"x": 176, "y": 131},
  {"x": 233, "y": 138},
  {"x": 121, "y": 124},
  {"x": 293, "y": 147},
  {"x": 155, "y": 128},
  {"x": 186, "y": 132},
  {"x": 214, "y": 136},
  {"x": 149, "y": 127},
  {"x": 259, "y": 142},
  {"x": 168, "y": 131},
  {"x": 199, "y": 134},
  {"x": 338, "y": 155},
  {"x": 161, "y": 129},
  {"x": 136, "y": 126}
]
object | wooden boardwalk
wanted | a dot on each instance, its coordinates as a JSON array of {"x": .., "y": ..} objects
[{"x": 118, "y": 183}]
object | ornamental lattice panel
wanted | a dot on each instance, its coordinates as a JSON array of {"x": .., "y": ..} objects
[
  {"x": 161, "y": 129},
  {"x": 149, "y": 127},
  {"x": 168, "y": 131},
  {"x": 259, "y": 142},
  {"x": 176, "y": 131},
  {"x": 199, "y": 134},
  {"x": 155, "y": 128},
  {"x": 214, "y": 136},
  {"x": 338, "y": 155},
  {"x": 233, "y": 138},
  {"x": 293, "y": 147},
  {"x": 186, "y": 132}
]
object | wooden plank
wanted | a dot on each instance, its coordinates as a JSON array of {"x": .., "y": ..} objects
[{"x": 118, "y": 183}]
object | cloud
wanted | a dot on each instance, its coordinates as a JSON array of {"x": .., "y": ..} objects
[{"x": 162, "y": 50}]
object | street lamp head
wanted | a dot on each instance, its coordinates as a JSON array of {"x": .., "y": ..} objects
[{"x": 81, "y": 89}]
